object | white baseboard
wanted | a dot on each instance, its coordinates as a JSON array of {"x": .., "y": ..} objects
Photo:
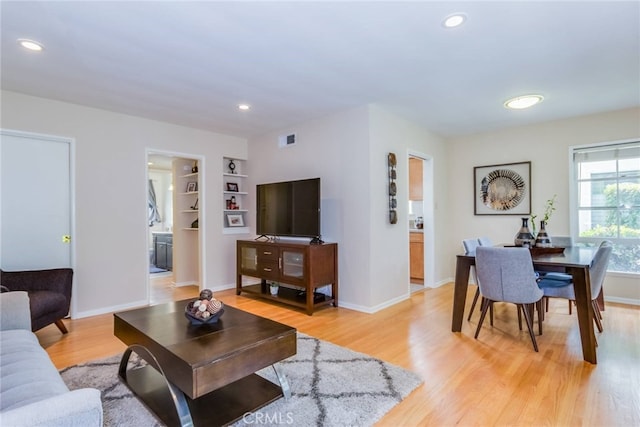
[
  {"x": 375, "y": 308},
  {"x": 111, "y": 309},
  {"x": 629, "y": 301},
  {"x": 181, "y": 284}
]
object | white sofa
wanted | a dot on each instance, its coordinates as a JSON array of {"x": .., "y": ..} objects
[{"x": 32, "y": 392}]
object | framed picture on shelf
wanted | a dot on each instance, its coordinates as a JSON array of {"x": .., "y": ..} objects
[
  {"x": 192, "y": 187},
  {"x": 502, "y": 189},
  {"x": 232, "y": 186},
  {"x": 235, "y": 220}
]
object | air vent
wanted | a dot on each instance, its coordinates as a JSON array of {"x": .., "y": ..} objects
[{"x": 287, "y": 140}]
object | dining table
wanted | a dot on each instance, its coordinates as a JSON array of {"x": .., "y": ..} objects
[{"x": 574, "y": 260}]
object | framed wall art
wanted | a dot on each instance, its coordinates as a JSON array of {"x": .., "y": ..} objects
[
  {"x": 235, "y": 220},
  {"x": 502, "y": 189}
]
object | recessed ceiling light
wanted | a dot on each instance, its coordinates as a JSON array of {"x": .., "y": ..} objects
[
  {"x": 454, "y": 20},
  {"x": 31, "y": 44},
  {"x": 524, "y": 101},
  {"x": 244, "y": 107}
]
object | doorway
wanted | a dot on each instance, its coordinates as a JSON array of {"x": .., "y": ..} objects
[
  {"x": 175, "y": 248},
  {"x": 421, "y": 220}
]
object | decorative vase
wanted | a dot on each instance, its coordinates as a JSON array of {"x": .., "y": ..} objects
[
  {"x": 542, "y": 239},
  {"x": 524, "y": 236}
]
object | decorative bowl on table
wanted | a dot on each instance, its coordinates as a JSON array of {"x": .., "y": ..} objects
[{"x": 204, "y": 311}]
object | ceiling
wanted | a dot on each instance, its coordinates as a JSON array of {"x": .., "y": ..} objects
[{"x": 192, "y": 63}]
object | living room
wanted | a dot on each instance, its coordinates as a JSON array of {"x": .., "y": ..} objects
[{"x": 347, "y": 149}]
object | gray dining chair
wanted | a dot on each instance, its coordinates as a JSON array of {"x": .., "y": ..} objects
[
  {"x": 470, "y": 246},
  {"x": 485, "y": 241},
  {"x": 482, "y": 241},
  {"x": 507, "y": 275},
  {"x": 597, "y": 272},
  {"x": 562, "y": 241}
]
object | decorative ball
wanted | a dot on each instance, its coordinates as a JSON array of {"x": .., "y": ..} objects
[
  {"x": 197, "y": 303},
  {"x": 202, "y": 307},
  {"x": 206, "y": 294},
  {"x": 205, "y": 315},
  {"x": 214, "y": 306}
]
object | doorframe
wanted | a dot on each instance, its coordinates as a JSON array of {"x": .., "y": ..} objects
[
  {"x": 72, "y": 198},
  {"x": 428, "y": 212},
  {"x": 201, "y": 215}
]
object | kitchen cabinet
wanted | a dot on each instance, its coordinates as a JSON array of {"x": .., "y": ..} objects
[
  {"x": 304, "y": 266},
  {"x": 415, "y": 178},
  {"x": 163, "y": 249},
  {"x": 416, "y": 255}
]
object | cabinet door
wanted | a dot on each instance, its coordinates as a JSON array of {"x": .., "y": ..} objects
[
  {"x": 415, "y": 179},
  {"x": 249, "y": 259},
  {"x": 416, "y": 251},
  {"x": 292, "y": 268},
  {"x": 169, "y": 256},
  {"x": 161, "y": 255}
]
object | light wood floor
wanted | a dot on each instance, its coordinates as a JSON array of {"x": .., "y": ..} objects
[{"x": 495, "y": 380}]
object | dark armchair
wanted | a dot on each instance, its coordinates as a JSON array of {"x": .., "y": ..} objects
[{"x": 49, "y": 294}]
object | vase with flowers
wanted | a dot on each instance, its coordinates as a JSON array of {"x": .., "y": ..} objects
[{"x": 542, "y": 237}]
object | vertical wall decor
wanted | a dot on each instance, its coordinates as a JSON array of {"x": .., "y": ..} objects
[{"x": 393, "y": 215}]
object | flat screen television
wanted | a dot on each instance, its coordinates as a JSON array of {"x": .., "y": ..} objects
[{"x": 290, "y": 208}]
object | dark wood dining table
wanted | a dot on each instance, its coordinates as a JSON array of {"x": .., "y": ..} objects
[{"x": 574, "y": 260}]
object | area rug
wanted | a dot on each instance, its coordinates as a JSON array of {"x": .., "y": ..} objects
[{"x": 330, "y": 385}]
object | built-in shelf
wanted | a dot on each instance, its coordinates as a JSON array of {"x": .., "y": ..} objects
[{"x": 234, "y": 197}]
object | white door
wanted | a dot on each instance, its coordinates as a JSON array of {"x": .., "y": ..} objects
[{"x": 35, "y": 202}]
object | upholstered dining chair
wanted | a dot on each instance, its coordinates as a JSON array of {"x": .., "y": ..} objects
[
  {"x": 562, "y": 241},
  {"x": 470, "y": 246},
  {"x": 481, "y": 241},
  {"x": 485, "y": 241},
  {"x": 597, "y": 272},
  {"x": 506, "y": 274}
]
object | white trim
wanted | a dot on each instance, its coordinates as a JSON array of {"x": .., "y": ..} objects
[
  {"x": 72, "y": 198},
  {"x": 112, "y": 309},
  {"x": 628, "y": 301},
  {"x": 375, "y": 308}
]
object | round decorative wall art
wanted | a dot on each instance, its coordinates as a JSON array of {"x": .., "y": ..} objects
[{"x": 503, "y": 189}]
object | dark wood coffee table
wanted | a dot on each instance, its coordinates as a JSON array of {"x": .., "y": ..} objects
[{"x": 203, "y": 375}]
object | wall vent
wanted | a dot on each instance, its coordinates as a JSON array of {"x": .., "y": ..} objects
[{"x": 287, "y": 140}]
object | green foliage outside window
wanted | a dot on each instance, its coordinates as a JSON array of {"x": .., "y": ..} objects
[{"x": 622, "y": 223}]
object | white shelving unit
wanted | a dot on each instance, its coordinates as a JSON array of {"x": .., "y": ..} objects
[
  {"x": 186, "y": 239},
  {"x": 234, "y": 195}
]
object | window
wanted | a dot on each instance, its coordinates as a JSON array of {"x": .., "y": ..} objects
[{"x": 606, "y": 192}]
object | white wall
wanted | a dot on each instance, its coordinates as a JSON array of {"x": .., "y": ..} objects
[
  {"x": 546, "y": 145},
  {"x": 389, "y": 250},
  {"x": 111, "y": 230},
  {"x": 335, "y": 149},
  {"x": 348, "y": 151}
]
